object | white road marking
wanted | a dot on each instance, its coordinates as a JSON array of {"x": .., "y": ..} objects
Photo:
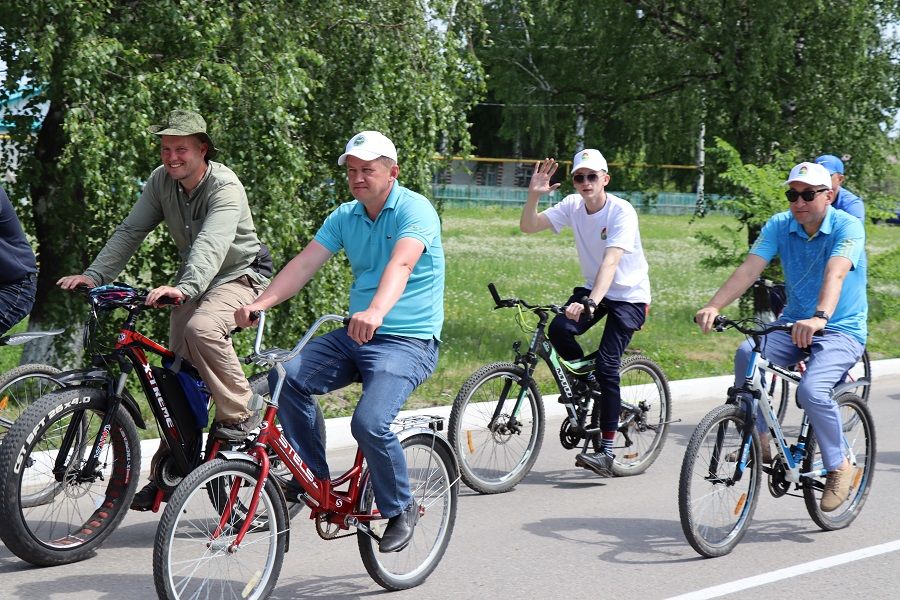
[{"x": 724, "y": 589}]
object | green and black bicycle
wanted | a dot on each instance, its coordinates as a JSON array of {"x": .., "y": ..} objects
[{"x": 497, "y": 420}]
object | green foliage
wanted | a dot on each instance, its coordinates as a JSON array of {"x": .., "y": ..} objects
[
  {"x": 811, "y": 77},
  {"x": 282, "y": 83}
]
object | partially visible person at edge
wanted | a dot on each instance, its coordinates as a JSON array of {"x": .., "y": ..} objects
[
  {"x": 616, "y": 281},
  {"x": 392, "y": 239},
  {"x": 844, "y": 199},
  {"x": 18, "y": 268},
  {"x": 821, "y": 252},
  {"x": 223, "y": 266}
]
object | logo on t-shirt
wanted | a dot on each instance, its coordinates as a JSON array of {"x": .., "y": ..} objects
[{"x": 603, "y": 233}]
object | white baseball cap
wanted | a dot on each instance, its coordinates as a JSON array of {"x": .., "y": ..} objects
[
  {"x": 810, "y": 173},
  {"x": 369, "y": 145},
  {"x": 589, "y": 159}
]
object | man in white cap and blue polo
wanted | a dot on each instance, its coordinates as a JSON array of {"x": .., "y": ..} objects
[
  {"x": 392, "y": 239},
  {"x": 821, "y": 251},
  {"x": 616, "y": 281}
]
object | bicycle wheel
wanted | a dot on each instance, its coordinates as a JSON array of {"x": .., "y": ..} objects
[
  {"x": 859, "y": 446},
  {"x": 644, "y": 417},
  {"x": 716, "y": 510},
  {"x": 192, "y": 555},
  {"x": 435, "y": 489},
  {"x": 496, "y": 449},
  {"x": 52, "y": 512},
  {"x": 20, "y": 387}
]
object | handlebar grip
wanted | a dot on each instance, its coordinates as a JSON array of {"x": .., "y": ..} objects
[{"x": 494, "y": 293}]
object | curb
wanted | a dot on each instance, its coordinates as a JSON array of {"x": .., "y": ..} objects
[{"x": 684, "y": 391}]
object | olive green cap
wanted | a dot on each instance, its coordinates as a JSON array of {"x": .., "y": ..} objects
[{"x": 185, "y": 122}]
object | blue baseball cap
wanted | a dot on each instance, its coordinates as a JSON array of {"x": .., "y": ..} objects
[{"x": 831, "y": 162}]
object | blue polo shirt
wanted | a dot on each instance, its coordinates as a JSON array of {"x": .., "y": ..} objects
[
  {"x": 803, "y": 259},
  {"x": 368, "y": 244},
  {"x": 850, "y": 203}
]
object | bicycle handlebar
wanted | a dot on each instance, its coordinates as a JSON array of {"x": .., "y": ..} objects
[
  {"x": 721, "y": 323},
  {"x": 511, "y": 302},
  {"x": 277, "y": 355}
]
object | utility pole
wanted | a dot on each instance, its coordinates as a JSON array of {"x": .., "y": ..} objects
[{"x": 580, "y": 123}]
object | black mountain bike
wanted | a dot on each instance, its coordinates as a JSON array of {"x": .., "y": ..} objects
[{"x": 497, "y": 420}]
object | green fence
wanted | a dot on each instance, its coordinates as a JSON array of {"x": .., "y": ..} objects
[{"x": 659, "y": 203}]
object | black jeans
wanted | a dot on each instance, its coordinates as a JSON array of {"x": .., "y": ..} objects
[
  {"x": 622, "y": 320},
  {"x": 16, "y": 300}
]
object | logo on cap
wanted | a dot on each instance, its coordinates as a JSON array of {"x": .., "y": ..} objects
[
  {"x": 585, "y": 155},
  {"x": 802, "y": 171},
  {"x": 360, "y": 140}
]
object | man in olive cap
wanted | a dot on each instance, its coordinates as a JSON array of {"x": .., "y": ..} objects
[{"x": 223, "y": 266}]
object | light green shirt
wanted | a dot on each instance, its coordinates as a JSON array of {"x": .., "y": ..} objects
[{"x": 212, "y": 228}]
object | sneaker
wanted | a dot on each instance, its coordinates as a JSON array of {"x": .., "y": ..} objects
[
  {"x": 837, "y": 488},
  {"x": 599, "y": 462},
  {"x": 236, "y": 432},
  {"x": 146, "y": 497}
]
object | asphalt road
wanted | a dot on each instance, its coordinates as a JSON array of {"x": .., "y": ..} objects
[{"x": 566, "y": 533}]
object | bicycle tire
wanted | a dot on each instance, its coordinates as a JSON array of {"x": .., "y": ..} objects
[
  {"x": 190, "y": 562},
  {"x": 859, "y": 434},
  {"x": 435, "y": 491},
  {"x": 644, "y": 388},
  {"x": 20, "y": 387},
  {"x": 715, "y": 512},
  {"x": 494, "y": 458},
  {"x": 65, "y": 520}
]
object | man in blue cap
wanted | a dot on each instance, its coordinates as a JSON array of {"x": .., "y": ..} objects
[{"x": 844, "y": 199}]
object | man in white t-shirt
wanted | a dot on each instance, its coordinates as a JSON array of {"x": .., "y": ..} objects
[{"x": 616, "y": 282}]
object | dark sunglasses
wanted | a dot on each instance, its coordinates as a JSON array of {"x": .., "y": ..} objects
[
  {"x": 591, "y": 177},
  {"x": 807, "y": 195}
]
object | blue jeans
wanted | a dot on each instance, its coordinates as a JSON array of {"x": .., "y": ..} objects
[
  {"x": 390, "y": 368},
  {"x": 16, "y": 300},
  {"x": 831, "y": 356},
  {"x": 622, "y": 320}
]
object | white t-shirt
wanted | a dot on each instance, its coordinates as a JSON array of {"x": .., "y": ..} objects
[{"x": 616, "y": 225}]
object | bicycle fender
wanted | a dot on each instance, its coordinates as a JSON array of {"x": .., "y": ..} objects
[
  {"x": 849, "y": 386},
  {"x": 243, "y": 456}
]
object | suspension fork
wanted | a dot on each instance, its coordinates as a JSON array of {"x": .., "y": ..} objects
[
  {"x": 87, "y": 471},
  {"x": 528, "y": 362}
]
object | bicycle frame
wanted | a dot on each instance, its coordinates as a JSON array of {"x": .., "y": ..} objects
[
  {"x": 130, "y": 353},
  {"x": 338, "y": 507}
]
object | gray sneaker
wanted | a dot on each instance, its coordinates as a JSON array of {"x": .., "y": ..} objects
[
  {"x": 598, "y": 462},
  {"x": 236, "y": 432}
]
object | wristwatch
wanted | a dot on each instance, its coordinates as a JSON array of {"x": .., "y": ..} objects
[{"x": 822, "y": 315}]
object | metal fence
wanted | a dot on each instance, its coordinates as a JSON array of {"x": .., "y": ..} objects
[{"x": 658, "y": 203}]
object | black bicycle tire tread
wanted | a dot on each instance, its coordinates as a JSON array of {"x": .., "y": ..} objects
[{"x": 14, "y": 534}]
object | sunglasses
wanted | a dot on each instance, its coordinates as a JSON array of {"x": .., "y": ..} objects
[
  {"x": 807, "y": 195},
  {"x": 591, "y": 177}
]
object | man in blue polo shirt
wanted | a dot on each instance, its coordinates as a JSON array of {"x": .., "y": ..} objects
[
  {"x": 392, "y": 239},
  {"x": 821, "y": 252}
]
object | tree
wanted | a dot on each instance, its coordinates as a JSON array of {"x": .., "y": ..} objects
[
  {"x": 766, "y": 76},
  {"x": 283, "y": 85}
]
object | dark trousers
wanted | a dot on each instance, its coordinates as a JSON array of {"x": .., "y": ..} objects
[
  {"x": 16, "y": 300},
  {"x": 622, "y": 320}
]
